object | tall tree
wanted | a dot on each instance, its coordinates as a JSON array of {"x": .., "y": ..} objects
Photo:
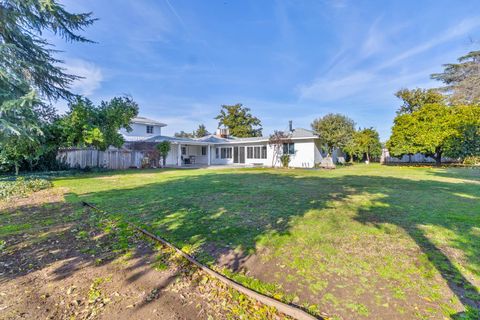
[
  {"x": 88, "y": 125},
  {"x": 466, "y": 141},
  {"x": 240, "y": 122},
  {"x": 26, "y": 58},
  {"x": 462, "y": 79},
  {"x": 29, "y": 72},
  {"x": 334, "y": 130},
  {"x": 427, "y": 130},
  {"x": 201, "y": 131},
  {"x": 416, "y": 98},
  {"x": 368, "y": 143}
]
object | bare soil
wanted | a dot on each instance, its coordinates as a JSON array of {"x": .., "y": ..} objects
[{"x": 60, "y": 264}]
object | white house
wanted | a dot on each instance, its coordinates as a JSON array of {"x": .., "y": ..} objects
[
  {"x": 142, "y": 128},
  {"x": 220, "y": 149}
]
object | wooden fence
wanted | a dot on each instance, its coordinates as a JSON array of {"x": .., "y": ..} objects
[{"x": 110, "y": 159}]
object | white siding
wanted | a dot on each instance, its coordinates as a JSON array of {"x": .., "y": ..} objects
[
  {"x": 139, "y": 129},
  {"x": 305, "y": 154}
]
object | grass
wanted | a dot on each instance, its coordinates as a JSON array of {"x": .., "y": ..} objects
[{"x": 372, "y": 241}]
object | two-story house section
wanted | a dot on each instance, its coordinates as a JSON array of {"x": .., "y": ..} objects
[{"x": 142, "y": 129}]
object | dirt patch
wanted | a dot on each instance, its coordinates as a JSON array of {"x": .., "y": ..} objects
[{"x": 60, "y": 261}]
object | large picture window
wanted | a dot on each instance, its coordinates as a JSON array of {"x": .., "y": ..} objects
[
  {"x": 259, "y": 152},
  {"x": 289, "y": 148}
]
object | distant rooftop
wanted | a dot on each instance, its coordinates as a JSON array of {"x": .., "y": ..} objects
[
  {"x": 297, "y": 133},
  {"x": 144, "y": 120}
]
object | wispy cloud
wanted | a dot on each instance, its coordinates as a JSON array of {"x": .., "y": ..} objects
[
  {"x": 461, "y": 29},
  {"x": 347, "y": 77},
  {"x": 91, "y": 74}
]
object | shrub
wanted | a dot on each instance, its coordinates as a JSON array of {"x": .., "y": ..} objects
[
  {"x": 285, "y": 160},
  {"x": 22, "y": 187},
  {"x": 472, "y": 161}
]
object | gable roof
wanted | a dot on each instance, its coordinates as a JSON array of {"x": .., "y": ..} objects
[
  {"x": 143, "y": 120},
  {"x": 303, "y": 133}
]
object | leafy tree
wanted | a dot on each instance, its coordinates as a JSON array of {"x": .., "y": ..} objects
[
  {"x": 462, "y": 79},
  {"x": 368, "y": 143},
  {"x": 334, "y": 130},
  {"x": 427, "y": 130},
  {"x": 164, "y": 148},
  {"x": 276, "y": 141},
  {"x": 466, "y": 142},
  {"x": 416, "y": 98},
  {"x": 401, "y": 140},
  {"x": 29, "y": 72},
  {"x": 352, "y": 148},
  {"x": 89, "y": 125},
  {"x": 183, "y": 134},
  {"x": 16, "y": 150},
  {"x": 201, "y": 131},
  {"x": 240, "y": 122}
]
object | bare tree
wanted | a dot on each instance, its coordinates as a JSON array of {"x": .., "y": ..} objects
[{"x": 276, "y": 141}]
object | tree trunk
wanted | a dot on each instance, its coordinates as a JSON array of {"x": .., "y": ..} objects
[
  {"x": 438, "y": 157},
  {"x": 164, "y": 160},
  {"x": 368, "y": 157},
  {"x": 17, "y": 169}
]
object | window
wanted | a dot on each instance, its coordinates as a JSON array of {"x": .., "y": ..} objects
[
  {"x": 149, "y": 129},
  {"x": 259, "y": 152},
  {"x": 289, "y": 148},
  {"x": 264, "y": 152},
  {"x": 226, "y": 153},
  {"x": 256, "y": 152},
  {"x": 204, "y": 150},
  {"x": 184, "y": 151},
  {"x": 249, "y": 152},
  {"x": 217, "y": 153}
]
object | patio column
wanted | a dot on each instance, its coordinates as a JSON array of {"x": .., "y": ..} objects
[
  {"x": 179, "y": 155},
  {"x": 208, "y": 155}
]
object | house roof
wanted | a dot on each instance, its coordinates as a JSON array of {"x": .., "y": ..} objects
[
  {"x": 175, "y": 140},
  {"x": 297, "y": 134},
  {"x": 143, "y": 120},
  {"x": 211, "y": 138},
  {"x": 303, "y": 133}
]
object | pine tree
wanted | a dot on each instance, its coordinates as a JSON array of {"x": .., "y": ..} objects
[{"x": 28, "y": 69}]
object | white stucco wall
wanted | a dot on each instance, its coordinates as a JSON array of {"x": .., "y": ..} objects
[
  {"x": 192, "y": 150},
  {"x": 139, "y": 129},
  {"x": 306, "y": 154}
]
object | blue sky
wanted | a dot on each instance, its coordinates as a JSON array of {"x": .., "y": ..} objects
[{"x": 286, "y": 60}]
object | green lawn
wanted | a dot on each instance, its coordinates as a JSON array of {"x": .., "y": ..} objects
[{"x": 356, "y": 242}]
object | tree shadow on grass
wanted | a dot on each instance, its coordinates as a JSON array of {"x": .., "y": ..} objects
[{"x": 211, "y": 214}]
